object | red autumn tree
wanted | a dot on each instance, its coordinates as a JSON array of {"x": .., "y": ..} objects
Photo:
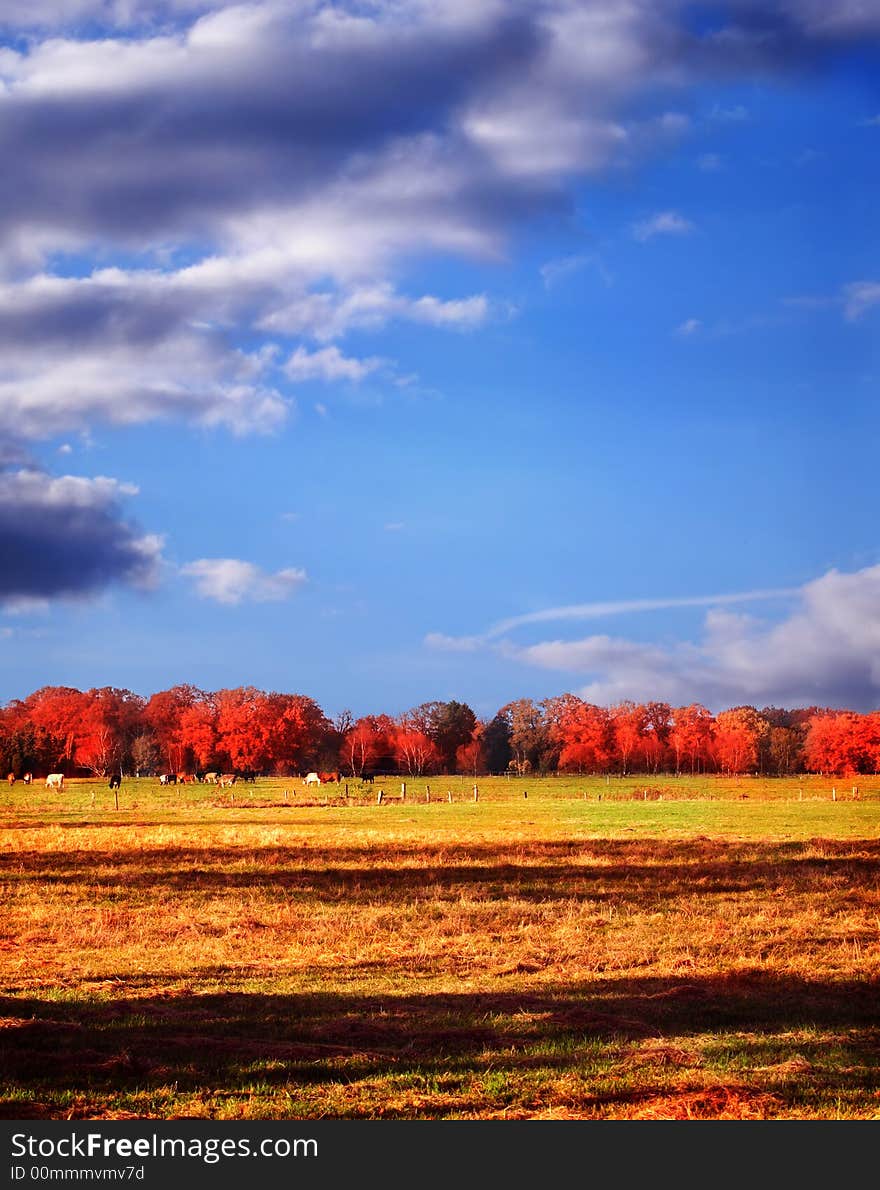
[
  {"x": 835, "y": 743},
  {"x": 108, "y": 724},
  {"x": 162, "y": 715},
  {"x": 299, "y": 733},
  {"x": 690, "y": 737},
  {"x": 57, "y": 713},
  {"x": 414, "y": 752},
  {"x": 629, "y": 726},
  {"x": 196, "y": 732},
  {"x": 658, "y": 724},
  {"x": 738, "y": 736},
  {"x": 244, "y": 728},
  {"x": 368, "y": 744},
  {"x": 582, "y": 733},
  {"x": 471, "y": 757}
]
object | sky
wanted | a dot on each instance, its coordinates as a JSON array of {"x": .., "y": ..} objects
[{"x": 408, "y": 350}]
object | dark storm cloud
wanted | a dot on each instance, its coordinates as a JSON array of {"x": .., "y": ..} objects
[
  {"x": 67, "y": 537},
  {"x": 142, "y": 141}
]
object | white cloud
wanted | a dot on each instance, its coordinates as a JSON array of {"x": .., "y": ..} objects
[
  {"x": 328, "y": 363},
  {"x": 330, "y": 314},
  {"x": 207, "y": 132},
  {"x": 597, "y": 610},
  {"x": 232, "y": 581},
  {"x": 825, "y": 652},
  {"x": 860, "y": 296},
  {"x": 454, "y": 644},
  {"x": 689, "y": 327},
  {"x": 557, "y": 270},
  {"x": 122, "y": 347},
  {"x": 663, "y": 223}
]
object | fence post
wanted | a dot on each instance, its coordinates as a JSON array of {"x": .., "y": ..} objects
[
  {"x": 833, "y": 793},
  {"x": 427, "y": 793},
  {"x": 449, "y": 795},
  {"x": 476, "y": 792},
  {"x": 116, "y": 797},
  {"x": 379, "y": 798},
  {"x": 403, "y": 791}
]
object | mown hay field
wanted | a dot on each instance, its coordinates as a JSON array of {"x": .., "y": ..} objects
[{"x": 559, "y": 948}]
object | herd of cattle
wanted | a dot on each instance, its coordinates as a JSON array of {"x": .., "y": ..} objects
[{"x": 56, "y": 780}]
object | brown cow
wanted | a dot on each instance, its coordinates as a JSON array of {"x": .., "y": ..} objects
[
  {"x": 326, "y": 778},
  {"x": 11, "y": 778},
  {"x": 226, "y": 779}
]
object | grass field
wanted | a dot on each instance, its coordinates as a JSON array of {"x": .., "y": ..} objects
[{"x": 630, "y": 948}]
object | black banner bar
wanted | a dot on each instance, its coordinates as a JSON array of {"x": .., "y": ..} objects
[{"x": 191, "y": 1154}]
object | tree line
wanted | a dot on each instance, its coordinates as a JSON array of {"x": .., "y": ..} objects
[{"x": 184, "y": 729}]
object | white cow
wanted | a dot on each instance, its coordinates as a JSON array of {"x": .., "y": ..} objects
[
  {"x": 55, "y": 781},
  {"x": 312, "y": 779}
]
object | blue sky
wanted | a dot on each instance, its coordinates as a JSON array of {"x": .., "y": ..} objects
[{"x": 395, "y": 352}]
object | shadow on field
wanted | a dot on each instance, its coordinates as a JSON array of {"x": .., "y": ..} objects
[
  {"x": 599, "y": 870},
  {"x": 226, "y": 1043}
]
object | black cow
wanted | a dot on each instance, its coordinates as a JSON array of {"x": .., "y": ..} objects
[
  {"x": 115, "y": 781},
  {"x": 367, "y": 778}
]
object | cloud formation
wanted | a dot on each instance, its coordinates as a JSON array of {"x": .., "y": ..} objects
[
  {"x": 268, "y": 166},
  {"x": 664, "y": 223},
  {"x": 826, "y": 651},
  {"x": 67, "y": 537},
  {"x": 232, "y": 581},
  {"x": 209, "y": 196},
  {"x": 329, "y": 364}
]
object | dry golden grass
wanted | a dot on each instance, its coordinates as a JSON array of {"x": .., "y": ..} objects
[{"x": 547, "y": 958}]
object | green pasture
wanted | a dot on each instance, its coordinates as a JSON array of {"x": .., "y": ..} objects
[
  {"x": 561, "y": 947},
  {"x": 796, "y": 807}
]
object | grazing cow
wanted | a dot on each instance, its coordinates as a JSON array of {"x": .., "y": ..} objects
[
  {"x": 367, "y": 778},
  {"x": 11, "y": 778},
  {"x": 248, "y": 775},
  {"x": 211, "y": 778},
  {"x": 312, "y": 779},
  {"x": 326, "y": 778},
  {"x": 55, "y": 781},
  {"x": 185, "y": 779},
  {"x": 115, "y": 781},
  {"x": 27, "y": 778},
  {"x": 226, "y": 779},
  {"x": 168, "y": 779}
]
